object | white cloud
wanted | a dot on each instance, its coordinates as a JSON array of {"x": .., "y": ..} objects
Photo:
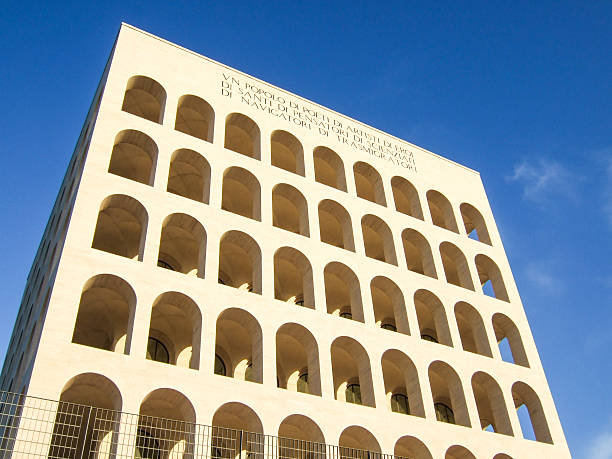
[
  {"x": 601, "y": 446},
  {"x": 540, "y": 274},
  {"x": 543, "y": 179}
]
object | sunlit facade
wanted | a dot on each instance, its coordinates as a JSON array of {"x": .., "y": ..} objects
[{"x": 228, "y": 255}]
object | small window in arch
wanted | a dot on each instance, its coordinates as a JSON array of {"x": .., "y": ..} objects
[
  {"x": 429, "y": 338},
  {"x": 220, "y": 366},
  {"x": 444, "y": 413},
  {"x": 353, "y": 394},
  {"x": 346, "y": 315},
  {"x": 248, "y": 374},
  {"x": 399, "y": 404},
  {"x": 164, "y": 264},
  {"x": 302, "y": 383},
  {"x": 388, "y": 325},
  {"x": 147, "y": 446},
  {"x": 157, "y": 351}
]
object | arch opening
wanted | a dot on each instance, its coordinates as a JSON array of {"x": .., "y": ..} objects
[
  {"x": 368, "y": 183},
  {"x": 335, "y": 225},
  {"x": 290, "y": 209},
  {"x": 411, "y": 447},
  {"x": 238, "y": 345},
  {"x": 417, "y": 251},
  {"x": 488, "y": 272},
  {"x": 458, "y": 452},
  {"x": 240, "y": 262},
  {"x": 342, "y": 292},
  {"x": 195, "y": 117},
  {"x": 522, "y": 394},
  {"x": 378, "y": 239},
  {"x": 389, "y": 305},
  {"x": 145, "y": 97},
  {"x": 287, "y": 152},
  {"x": 447, "y": 393},
  {"x": 406, "y": 197},
  {"x": 106, "y": 314},
  {"x": 433, "y": 324},
  {"x": 507, "y": 332},
  {"x": 242, "y": 135},
  {"x": 355, "y": 442},
  {"x": 297, "y": 360},
  {"x": 293, "y": 281},
  {"x": 237, "y": 432},
  {"x": 189, "y": 175},
  {"x": 401, "y": 380},
  {"x": 182, "y": 246},
  {"x": 300, "y": 438},
  {"x": 241, "y": 193},
  {"x": 176, "y": 324},
  {"x": 351, "y": 372},
  {"x": 121, "y": 227},
  {"x": 474, "y": 223},
  {"x": 441, "y": 211},
  {"x": 456, "y": 269},
  {"x": 472, "y": 330},
  {"x": 329, "y": 168},
  {"x": 134, "y": 157},
  {"x": 490, "y": 404}
]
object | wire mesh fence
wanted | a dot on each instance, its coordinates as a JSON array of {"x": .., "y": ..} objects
[{"x": 36, "y": 427}]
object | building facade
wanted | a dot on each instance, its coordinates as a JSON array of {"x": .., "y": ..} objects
[{"x": 230, "y": 269}]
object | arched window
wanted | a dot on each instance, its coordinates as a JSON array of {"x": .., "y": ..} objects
[
  {"x": 411, "y": 447},
  {"x": 195, "y": 116},
  {"x": 182, "y": 246},
  {"x": 342, "y": 291},
  {"x": 241, "y": 193},
  {"x": 456, "y": 269},
  {"x": 237, "y": 432},
  {"x": 242, "y": 135},
  {"x": 507, "y": 333},
  {"x": 490, "y": 404},
  {"x": 399, "y": 404},
  {"x": 351, "y": 372},
  {"x": 189, "y": 175},
  {"x": 433, "y": 324},
  {"x": 458, "y": 452},
  {"x": 329, "y": 168},
  {"x": 300, "y": 437},
  {"x": 240, "y": 262},
  {"x": 444, "y": 413},
  {"x": 447, "y": 393},
  {"x": 121, "y": 227},
  {"x": 290, "y": 209},
  {"x": 287, "y": 152},
  {"x": 378, "y": 239},
  {"x": 419, "y": 258},
  {"x": 144, "y": 97},
  {"x": 525, "y": 395},
  {"x": 441, "y": 211},
  {"x": 335, "y": 225},
  {"x": 293, "y": 277},
  {"x": 406, "y": 197},
  {"x": 302, "y": 383},
  {"x": 488, "y": 272},
  {"x": 472, "y": 330},
  {"x": 389, "y": 305},
  {"x": 402, "y": 385},
  {"x": 353, "y": 394},
  {"x": 220, "y": 366},
  {"x": 358, "y": 443},
  {"x": 156, "y": 350},
  {"x": 474, "y": 223},
  {"x": 368, "y": 183},
  {"x": 297, "y": 360},
  {"x": 134, "y": 157}
]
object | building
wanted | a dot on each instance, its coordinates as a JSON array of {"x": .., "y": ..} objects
[{"x": 230, "y": 269}]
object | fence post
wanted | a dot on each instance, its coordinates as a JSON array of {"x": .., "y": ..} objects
[{"x": 83, "y": 445}]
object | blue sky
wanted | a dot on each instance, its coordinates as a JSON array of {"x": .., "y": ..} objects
[{"x": 519, "y": 91}]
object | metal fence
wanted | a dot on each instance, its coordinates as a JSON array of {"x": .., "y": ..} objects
[{"x": 36, "y": 427}]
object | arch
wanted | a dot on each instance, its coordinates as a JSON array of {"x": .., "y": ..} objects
[
  {"x": 406, "y": 197},
  {"x": 342, "y": 291},
  {"x": 297, "y": 354},
  {"x": 355, "y": 439},
  {"x": 241, "y": 193},
  {"x": 106, "y": 314},
  {"x": 182, "y": 245},
  {"x": 433, "y": 324},
  {"x": 287, "y": 152},
  {"x": 446, "y": 388},
  {"x": 121, "y": 227},
  {"x": 389, "y": 305},
  {"x": 351, "y": 366},
  {"x": 506, "y": 330},
  {"x": 401, "y": 377},
  {"x": 368, "y": 183},
  {"x": 522, "y": 394},
  {"x": 134, "y": 156},
  {"x": 455, "y": 265},
  {"x": 236, "y": 431},
  {"x": 240, "y": 262},
  {"x": 166, "y": 425},
  {"x": 329, "y": 168},
  {"x": 238, "y": 342},
  {"x": 290, "y": 209},
  {"x": 300, "y": 437},
  {"x": 242, "y": 135},
  {"x": 145, "y": 97},
  {"x": 441, "y": 211},
  {"x": 490, "y": 404},
  {"x": 189, "y": 175},
  {"x": 501, "y": 456},
  {"x": 417, "y": 251},
  {"x": 195, "y": 117},
  {"x": 293, "y": 277},
  {"x": 176, "y": 322},
  {"x": 488, "y": 271},
  {"x": 335, "y": 225},
  {"x": 471, "y": 329},
  {"x": 474, "y": 223},
  {"x": 85, "y": 397},
  {"x": 378, "y": 239},
  {"x": 411, "y": 447},
  {"x": 458, "y": 452}
]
